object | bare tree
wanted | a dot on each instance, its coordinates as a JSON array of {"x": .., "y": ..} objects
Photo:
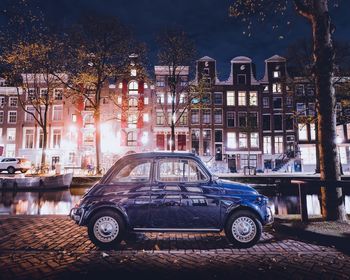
[
  {"x": 97, "y": 49},
  {"x": 29, "y": 55},
  {"x": 177, "y": 53},
  {"x": 316, "y": 12}
]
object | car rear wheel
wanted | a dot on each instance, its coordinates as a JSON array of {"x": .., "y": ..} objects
[
  {"x": 243, "y": 229},
  {"x": 24, "y": 170},
  {"x": 106, "y": 229},
  {"x": 11, "y": 170}
]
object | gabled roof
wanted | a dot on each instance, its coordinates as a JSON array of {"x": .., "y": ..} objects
[
  {"x": 206, "y": 58},
  {"x": 241, "y": 59},
  {"x": 276, "y": 58}
]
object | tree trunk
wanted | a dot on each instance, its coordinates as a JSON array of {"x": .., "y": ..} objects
[
  {"x": 43, "y": 151},
  {"x": 317, "y": 147},
  {"x": 98, "y": 141},
  {"x": 332, "y": 200},
  {"x": 173, "y": 123}
]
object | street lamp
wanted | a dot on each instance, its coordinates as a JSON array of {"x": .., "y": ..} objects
[{"x": 338, "y": 141}]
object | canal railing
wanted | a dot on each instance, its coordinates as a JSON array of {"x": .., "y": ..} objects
[{"x": 302, "y": 189}]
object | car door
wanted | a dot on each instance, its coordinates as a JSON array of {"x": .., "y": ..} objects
[
  {"x": 201, "y": 199},
  {"x": 130, "y": 187},
  {"x": 181, "y": 197}
]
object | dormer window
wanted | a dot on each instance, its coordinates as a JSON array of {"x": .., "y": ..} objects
[
  {"x": 276, "y": 74},
  {"x": 206, "y": 71},
  {"x": 133, "y": 72}
]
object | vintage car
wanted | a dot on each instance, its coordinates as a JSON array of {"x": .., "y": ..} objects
[{"x": 169, "y": 192}]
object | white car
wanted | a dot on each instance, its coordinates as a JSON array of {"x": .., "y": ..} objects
[{"x": 11, "y": 165}]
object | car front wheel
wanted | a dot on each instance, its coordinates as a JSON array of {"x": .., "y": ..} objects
[
  {"x": 11, "y": 170},
  {"x": 243, "y": 229},
  {"x": 106, "y": 229}
]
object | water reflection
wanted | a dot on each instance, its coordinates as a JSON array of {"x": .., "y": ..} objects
[{"x": 60, "y": 202}]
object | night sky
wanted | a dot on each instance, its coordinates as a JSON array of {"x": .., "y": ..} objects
[{"x": 206, "y": 21}]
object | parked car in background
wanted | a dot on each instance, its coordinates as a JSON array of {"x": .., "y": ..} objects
[
  {"x": 169, "y": 192},
  {"x": 12, "y": 164}
]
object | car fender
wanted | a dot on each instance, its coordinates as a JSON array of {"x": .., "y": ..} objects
[
  {"x": 244, "y": 205},
  {"x": 106, "y": 205}
]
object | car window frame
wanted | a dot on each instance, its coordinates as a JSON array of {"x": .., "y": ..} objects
[
  {"x": 156, "y": 171},
  {"x": 120, "y": 166}
]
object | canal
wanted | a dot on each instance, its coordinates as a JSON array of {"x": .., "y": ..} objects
[{"x": 282, "y": 201}]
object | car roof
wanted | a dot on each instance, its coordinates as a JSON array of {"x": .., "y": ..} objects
[{"x": 159, "y": 154}]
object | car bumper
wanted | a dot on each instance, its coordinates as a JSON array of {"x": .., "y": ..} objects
[
  {"x": 269, "y": 216},
  {"x": 77, "y": 214}
]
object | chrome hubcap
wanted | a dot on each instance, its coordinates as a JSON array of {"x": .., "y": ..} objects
[
  {"x": 106, "y": 229},
  {"x": 244, "y": 229}
]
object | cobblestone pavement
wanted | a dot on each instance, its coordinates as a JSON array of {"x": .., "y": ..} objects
[{"x": 54, "y": 247}]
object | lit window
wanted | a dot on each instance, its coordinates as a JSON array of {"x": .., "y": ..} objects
[
  {"x": 276, "y": 88},
  {"x": 183, "y": 119},
  {"x": 267, "y": 145},
  {"x": 230, "y": 98},
  {"x": 242, "y": 140},
  {"x": 276, "y": 74},
  {"x": 146, "y": 100},
  {"x": 313, "y": 131},
  {"x": 254, "y": 140},
  {"x": 29, "y": 114},
  {"x": 206, "y": 142},
  {"x": 279, "y": 144},
  {"x": 131, "y": 138},
  {"x": 57, "y": 114},
  {"x": 74, "y": 118},
  {"x": 56, "y": 138},
  {"x": 12, "y": 117},
  {"x": 231, "y": 140},
  {"x": 160, "y": 118},
  {"x": 133, "y": 73},
  {"x": 29, "y": 139},
  {"x": 302, "y": 130},
  {"x": 13, "y": 101},
  {"x": 11, "y": 134},
  {"x": 146, "y": 117},
  {"x": 253, "y": 98},
  {"x": 160, "y": 98},
  {"x": 206, "y": 116},
  {"x": 242, "y": 100}
]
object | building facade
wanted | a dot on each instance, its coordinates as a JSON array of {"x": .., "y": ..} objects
[{"x": 233, "y": 124}]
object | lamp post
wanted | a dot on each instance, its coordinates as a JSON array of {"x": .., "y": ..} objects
[{"x": 338, "y": 142}]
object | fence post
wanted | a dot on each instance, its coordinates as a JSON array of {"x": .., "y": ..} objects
[{"x": 303, "y": 204}]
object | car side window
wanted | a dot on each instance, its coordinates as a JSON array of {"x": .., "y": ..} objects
[
  {"x": 179, "y": 170},
  {"x": 136, "y": 171}
]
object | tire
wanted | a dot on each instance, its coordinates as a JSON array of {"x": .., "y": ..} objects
[
  {"x": 11, "y": 170},
  {"x": 243, "y": 229},
  {"x": 24, "y": 171},
  {"x": 106, "y": 229}
]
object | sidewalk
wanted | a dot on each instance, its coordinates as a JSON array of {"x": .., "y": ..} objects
[
  {"x": 336, "y": 234},
  {"x": 33, "y": 247}
]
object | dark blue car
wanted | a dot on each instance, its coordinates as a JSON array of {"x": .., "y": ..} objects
[{"x": 169, "y": 192}]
